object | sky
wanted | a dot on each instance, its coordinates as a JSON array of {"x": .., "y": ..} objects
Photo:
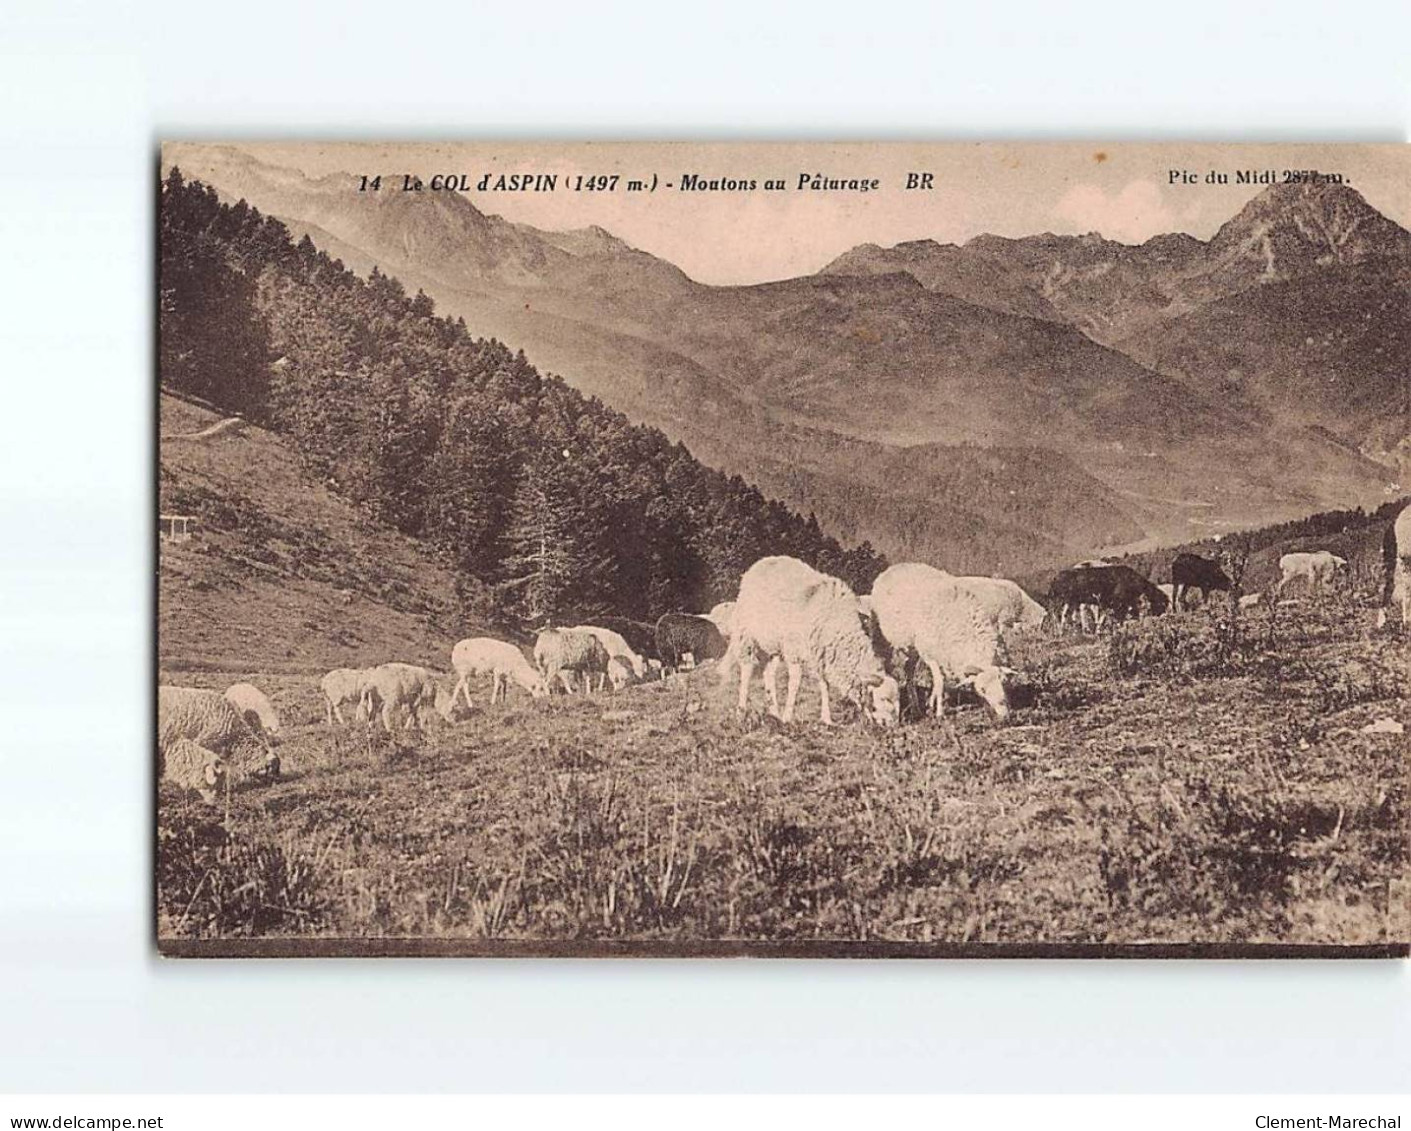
[{"x": 1127, "y": 192}]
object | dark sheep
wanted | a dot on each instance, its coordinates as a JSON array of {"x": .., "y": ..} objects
[
  {"x": 679, "y": 633},
  {"x": 1190, "y": 571},
  {"x": 1118, "y": 590}
]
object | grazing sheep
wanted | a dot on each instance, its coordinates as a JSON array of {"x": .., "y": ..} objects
[
  {"x": 340, "y": 687},
  {"x": 207, "y": 719},
  {"x": 1319, "y": 569},
  {"x": 1191, "y": 571},
  {"x": 720, "y": 616},
  {"x": 683, "y": 634},
  {"x": 191, "y": 766},
  {"x": 789, "y": 612},
  {"x": 619, "y": 673},
  {"x": 1113, "y": 591},
  {"x": 924, "y": 611},
  {"x": 559, "y": 653},
  {"x": 395, "y": 687},
  {"x": 1008, "y": 606},
  {"x": 251, "y": 702},
  {"x": 616, "y": 646},
  {"x": 480, "y": 655}
]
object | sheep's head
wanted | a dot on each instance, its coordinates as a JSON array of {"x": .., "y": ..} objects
[
  {"x": 990, "y": 685},
  {"x": 886, "y": 702},
  {"x": 539, "y": 687},
  {"x": 446, "y": 705}
]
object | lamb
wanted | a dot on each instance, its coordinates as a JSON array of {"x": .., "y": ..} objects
[
  {"x": 501, "y": 661},
  {"x": 789, "y": 612},
  {"x": 616, "y": 646},
  {"x": 208, "y": 720},
  {"x": 396, "y": 687},
  {"x": 682, "y": 634},
  {"x": 251, "y": 702},
  {"x": 1318, "y": 569},
  {"x": 926, "y": 611},
  {"x": 340, "y": 687},
  {"x": 192, "y": 767},
  {"x": 560, "y": 652}
]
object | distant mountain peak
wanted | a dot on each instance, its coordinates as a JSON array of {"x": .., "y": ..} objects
[{"x": 1291, "y": 228}]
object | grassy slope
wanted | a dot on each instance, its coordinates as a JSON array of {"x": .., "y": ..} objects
[
  {"x": 285, "y": 576},
  {"x": 1157, "y": 806}
]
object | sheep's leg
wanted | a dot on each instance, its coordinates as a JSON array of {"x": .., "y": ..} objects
[
  {"x": 771, "y": 684},
  {"x": 795, "y": 678},
  {"x": 747, "y": 674},
  {"x": 938, "y": 689},
  {"x": 732, "y": 654},
  {"x": 825, "y": 713}
]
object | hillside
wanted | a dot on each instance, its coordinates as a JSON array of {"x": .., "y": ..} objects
[
  {"x": 539, "y": 499},
  {"x": 283, "y": 575},
  {"x": 1333, "y": 351}
]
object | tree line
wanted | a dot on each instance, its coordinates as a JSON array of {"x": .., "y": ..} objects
[{"x": 547, "y": 500}]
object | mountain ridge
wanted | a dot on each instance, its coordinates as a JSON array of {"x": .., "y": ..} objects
[{"x": 993, "y": 336}]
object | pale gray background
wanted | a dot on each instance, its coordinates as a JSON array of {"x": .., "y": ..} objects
[{"x": 87, "y": 90}]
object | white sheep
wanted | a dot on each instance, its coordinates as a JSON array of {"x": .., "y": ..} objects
[
  {"x": 394, "y": 688},
  {"x": 251, "y": 702},
  {"x": 209, "y": 720},
  {"x": 925, "y": 611},
  {"x": 1005, "y": 603},
  {"x": 1318, "y": 569},
  {"x": 559, "y": 653},
  {"x": 191, "y": 766},
  {"x": 790, "y": 613},
  {"x": 341, "y": 687},
  {"x": 616, "y": 645},
  {"x": 501, "y": 661}
]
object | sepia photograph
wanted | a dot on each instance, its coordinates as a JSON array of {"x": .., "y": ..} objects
[{"x": 878, "y": 549}]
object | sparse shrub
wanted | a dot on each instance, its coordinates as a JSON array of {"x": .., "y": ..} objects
[{"x": 213, "y": 883}]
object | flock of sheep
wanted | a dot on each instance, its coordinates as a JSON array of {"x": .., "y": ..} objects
[{"x": 787, "y": 615}]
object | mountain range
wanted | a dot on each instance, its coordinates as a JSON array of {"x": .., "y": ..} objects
[{"x": 997, "y": 405}]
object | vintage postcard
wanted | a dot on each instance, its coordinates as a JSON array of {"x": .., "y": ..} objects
[{"x": 783, "y": 549}]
